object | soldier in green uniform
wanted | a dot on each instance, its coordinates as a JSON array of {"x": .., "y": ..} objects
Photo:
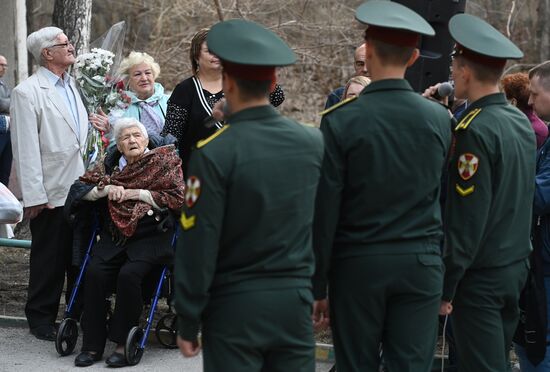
[
  {"x": 377, "y": 228},
  {"x": 489, "y": 202},
  {"x": 244, "y": 260}
]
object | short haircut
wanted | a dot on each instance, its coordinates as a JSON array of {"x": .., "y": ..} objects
[
  {"x": 43, "y": 38},
  {"x": 250, "y": 89},
  {"x": 195, "y": 49},
  {"x": 482, "y": 73},
  {"x": 542, "y": 71},
  {"x": 137, "y": 58},
  {"x": 517, "y": 86},
  {"x": 389, "y": 53},
  {"x": 124, "y": 123}
]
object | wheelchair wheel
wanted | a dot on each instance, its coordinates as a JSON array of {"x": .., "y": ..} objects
[
  {"x": 166, "y": 331},
  {"x": 133, "y": 351},
  {"x": 66, "y": 337}
]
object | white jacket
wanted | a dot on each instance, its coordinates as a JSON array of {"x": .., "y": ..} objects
[{"x": 46, "y": 148}]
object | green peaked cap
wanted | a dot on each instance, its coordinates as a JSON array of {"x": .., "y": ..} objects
[
  {"x": 248, "y": 43},
  {"x": 480, "y": 37},
  {"x": 387, "y": 14}
]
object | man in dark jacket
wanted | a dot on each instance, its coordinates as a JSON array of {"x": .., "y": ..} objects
[
  {"x": 5, "y": 142},
  {"x": 360, "y": 66},
  {"x": 536, "y": 353}
]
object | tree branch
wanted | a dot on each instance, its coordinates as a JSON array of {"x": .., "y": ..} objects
[
  {"x": 509, "y": 21},
  {"x": 219, "y": 9}
]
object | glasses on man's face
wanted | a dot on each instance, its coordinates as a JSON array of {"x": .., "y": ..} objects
[
  {"x": 359, "y": 64},
  {"x": 64, "y": 45}
]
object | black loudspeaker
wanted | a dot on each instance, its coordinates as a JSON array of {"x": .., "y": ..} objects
[{"x": 426, "y": 72}]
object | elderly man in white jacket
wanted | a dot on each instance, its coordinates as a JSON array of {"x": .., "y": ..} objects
[{"x": 49, "y": 125}]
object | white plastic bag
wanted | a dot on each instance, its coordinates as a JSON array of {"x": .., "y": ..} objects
[{"x": 11, "y": 210}]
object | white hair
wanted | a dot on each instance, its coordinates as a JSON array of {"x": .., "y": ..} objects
[
  {"x": 43, "y": 38},
  {"x": 137, "y": 58},
  {"x": 124, "y": 123}
]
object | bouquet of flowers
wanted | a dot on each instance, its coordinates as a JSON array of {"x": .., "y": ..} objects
[{"x": 100, "y": 87}]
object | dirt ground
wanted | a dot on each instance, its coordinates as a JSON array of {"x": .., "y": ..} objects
[{"x": 14, "y": 275}]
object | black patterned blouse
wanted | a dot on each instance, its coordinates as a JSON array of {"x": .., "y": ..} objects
[{"x": 185, "y": 116}]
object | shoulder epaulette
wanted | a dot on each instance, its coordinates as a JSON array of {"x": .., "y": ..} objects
[
  {"x": 203, "y": 142},
  {"x": 339, "y": 104},
  {"x": 466, "y": 120}
]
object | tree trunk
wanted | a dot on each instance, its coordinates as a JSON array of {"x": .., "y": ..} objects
[
  {"x": 75, "y": 18},
  {"x": 542, "y": 30}
]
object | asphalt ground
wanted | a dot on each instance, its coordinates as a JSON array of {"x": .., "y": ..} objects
[{"x": 20, "y": 351}]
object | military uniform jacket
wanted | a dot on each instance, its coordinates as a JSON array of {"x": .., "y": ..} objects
[
  {"x": 249, "y": 211},
  {"x": 380, "y": 181},
  {"x": 491, "y": 186}
]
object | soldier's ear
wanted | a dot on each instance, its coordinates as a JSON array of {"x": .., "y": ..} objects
[
  {"x": 414, "y": 56},
  {"x": 368, "y": 50},
  {"x": 467, "y": 72},
  {"x": 229, "y": 83}
]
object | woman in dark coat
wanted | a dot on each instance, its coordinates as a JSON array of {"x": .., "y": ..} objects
[
  {"x": 133, "y": 192},
  {"x": 193, "y": 99}
]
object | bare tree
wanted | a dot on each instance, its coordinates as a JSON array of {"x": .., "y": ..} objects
[
  {"x": 323, "y": 33},
  {"x": 542, "y": 30},
  {"x": 74, "y": 17}
]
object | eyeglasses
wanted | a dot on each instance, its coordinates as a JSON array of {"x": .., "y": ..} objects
[
  {"x": 360, "y": 64},
  {"x": 64, "y": 45}
]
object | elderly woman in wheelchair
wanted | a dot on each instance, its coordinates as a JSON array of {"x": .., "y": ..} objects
[{"x": 132, "y": 191}]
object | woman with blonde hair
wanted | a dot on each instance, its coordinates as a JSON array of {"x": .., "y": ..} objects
[
  {"x": 354, "y": 86},
  {"x": 148, "y": 103}
]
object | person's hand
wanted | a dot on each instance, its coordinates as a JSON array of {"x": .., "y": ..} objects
[
  {"x": 430, "y": 91},
  {"x": 32, "y": 212},
  {"x": 130, "y": 194},
  {"x": 116, "y": 193},
  {"x": 100, "y": 121},
  {"x": 218, "y": 111},
  {"x": 188, "y": 348},
  {"x": 445, "y": 308},
  {"x": 320, "y": 316}
]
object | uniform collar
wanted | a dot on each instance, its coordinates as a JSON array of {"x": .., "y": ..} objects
[
  {"x": 387, "y": 84},
  {"x": 491, "y": 99},
  {"x": 255, "y": 113}
]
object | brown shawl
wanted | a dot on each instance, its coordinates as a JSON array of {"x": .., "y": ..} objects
[{"x": 158, "y": 171}]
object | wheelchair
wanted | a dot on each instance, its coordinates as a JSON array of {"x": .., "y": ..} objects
[{"x": 165, "y": 331}]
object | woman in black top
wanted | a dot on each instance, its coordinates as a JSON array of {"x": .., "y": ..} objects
[{"x": 192, "y": 100}]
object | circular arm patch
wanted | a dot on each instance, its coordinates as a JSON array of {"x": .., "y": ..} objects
[
  {"x": 467, "y": 166},
  {"x": 193, "y": 191}
]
